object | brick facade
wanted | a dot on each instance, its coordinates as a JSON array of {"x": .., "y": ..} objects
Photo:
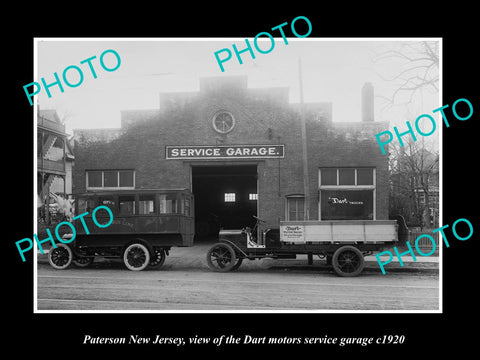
[{"x": 262, "y": 116}]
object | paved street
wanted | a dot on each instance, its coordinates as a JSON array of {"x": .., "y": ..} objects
[{"x": 186, "y": 283}]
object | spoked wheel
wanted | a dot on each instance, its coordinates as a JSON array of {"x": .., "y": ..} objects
[
  {"x": 348, "y": 261},
  {"x": 237, "y": 264},
  {"x": 158, "y": 258},
  {"x": 60, "y": 257},
  {"x": 136, "y": 257},
  {"x": 83, "y": 262},
  {"x": 221, "y": 257}
]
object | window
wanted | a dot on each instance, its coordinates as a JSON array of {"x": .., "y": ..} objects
[
  {"x": 252, "y": 196},
  {"x": 364, "y": 176},
  {"x": 102, "y": 214},
  {"x": 168, "y": 204},
  {"x": 229, "y": 197},
  {"x": 107, "y": 201},
  {"x": 329, "y": 176},
  {"x": 126, "y": 178},
  {"x": 347, "y": 177},
  {"x": 223, "y": 122},
  {"x": 86, "y": 205},
  {"x": 187, "y": 206},
  {"x": 146, "y": 204},
  {"x": 126, "y": 205},
  {"x": 346, "y": 204},
  {"x": 94, "y": 179},
  {"x": 347, "y": 194},
  {"x": 295, "y": 208},
  {"x": 111, "y": 179}
]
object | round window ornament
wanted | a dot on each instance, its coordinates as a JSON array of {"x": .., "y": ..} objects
[{"x": 223, "y": 122}]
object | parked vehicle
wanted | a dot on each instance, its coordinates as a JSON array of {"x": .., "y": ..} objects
[
  {"x": 146, "y": 225},
  {"x": 343, "y": 243}
]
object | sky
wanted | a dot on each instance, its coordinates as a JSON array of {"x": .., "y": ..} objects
[{"x": 333, "y": 70}]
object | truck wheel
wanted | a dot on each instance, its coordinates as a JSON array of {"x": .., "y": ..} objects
[
  {"x": 348, "y": 261},
  {"x": 237, "y": 264},
  {"x": 157, "y": 259},
  {"x": 83, "y": 262},
  {"x": 221, "y": 257},
  {"x": 136, "y": 257},
  {"x": 60, "y": 257}
]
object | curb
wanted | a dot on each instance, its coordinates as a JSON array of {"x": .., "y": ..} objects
[{"x": 369, "y": 267}]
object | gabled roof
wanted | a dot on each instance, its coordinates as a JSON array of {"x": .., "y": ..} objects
[{"x": 50, "y": 114}]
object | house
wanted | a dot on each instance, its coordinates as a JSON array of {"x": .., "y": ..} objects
[{"x": 55, "y": 158}]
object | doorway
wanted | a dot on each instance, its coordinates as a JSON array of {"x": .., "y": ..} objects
[{"x": 225, "y": 198}]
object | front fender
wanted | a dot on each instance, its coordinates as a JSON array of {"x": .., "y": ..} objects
[{"x": 233, "y": 244}]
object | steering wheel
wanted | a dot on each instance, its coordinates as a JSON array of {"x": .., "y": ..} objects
[{"x": 258, "y": 219}]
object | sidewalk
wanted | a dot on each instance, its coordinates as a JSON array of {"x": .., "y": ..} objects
[
  {"x": 405, "y": 259},
  {"x": 430, "y": 263}
]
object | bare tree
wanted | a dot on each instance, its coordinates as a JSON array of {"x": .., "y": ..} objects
[
  {"x": 417, "y": 65},
  {"x": 412, "y": 69},
  {"x": 414, "y": 178}
]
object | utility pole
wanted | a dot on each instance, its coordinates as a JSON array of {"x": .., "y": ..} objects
[{"x": 306, "y": 187}]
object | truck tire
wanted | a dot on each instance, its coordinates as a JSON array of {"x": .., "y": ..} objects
[
  {"x": 348, "y": 261},
  {"x": 237, "y": 264},
  {"x": 60, "y": 257},
  {"x": 157, "y": 259},
  {"x": 221, "y": 257},
  {"x": 83, "y": 262},
  {"x": 136, "y": 257}
]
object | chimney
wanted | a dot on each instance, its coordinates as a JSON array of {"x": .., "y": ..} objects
[{"x": 367, "y": 102}]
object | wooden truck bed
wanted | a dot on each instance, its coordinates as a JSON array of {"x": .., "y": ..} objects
[{"x": 338, "y": 231}]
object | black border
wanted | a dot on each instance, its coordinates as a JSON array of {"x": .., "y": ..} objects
[{"x": 432, "y": 333}]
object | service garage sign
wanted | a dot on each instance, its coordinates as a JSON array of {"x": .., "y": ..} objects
[{"x": 201, "y": 152}]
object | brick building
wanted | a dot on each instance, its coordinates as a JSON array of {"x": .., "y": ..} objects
[{"x": 240, "y": 152}]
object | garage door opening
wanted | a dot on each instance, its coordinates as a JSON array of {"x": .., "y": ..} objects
[{"x": 225, "y": 198}]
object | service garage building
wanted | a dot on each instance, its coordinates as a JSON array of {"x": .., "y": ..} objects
[{"x": 239, "y": 150}]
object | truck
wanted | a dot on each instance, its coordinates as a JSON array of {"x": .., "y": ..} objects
[
  {"x": 146, "y": 224},
  {"x": 342, "y": 243}
]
